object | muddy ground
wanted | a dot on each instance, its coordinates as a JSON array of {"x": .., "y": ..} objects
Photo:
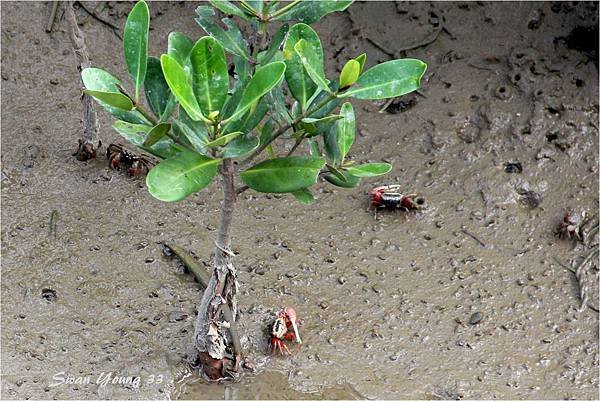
[{"x": 467, "y": 299}]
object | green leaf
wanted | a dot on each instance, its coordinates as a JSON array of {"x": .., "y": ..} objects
[
  {"x": 156, "y": 134},
  {"x": 264, "y": 79},
  {"x": 178, "y": 177},
  {"x": 210, "y": 77},
  {"x": 231, "y": 39},
  {"x": 331, "y": 144},
  {"x": 223, "y": 140},
  {"x": 390, "y": 79},
  {"x": 96, "y": 79},
  {"x": 351, "y": 181},
  {"x": 180, "y": 86},
  {"x": 325, "y": 119},
  {"x": 135, "y": 134},
  {"x": 369, "y": 169},
  {"x": 312, "y": 64},
  {"x": 304, "y": 196},
  {"x": 240, "y": 146},
  {"x": 284, "y": 174},
  {"x": 275, "y": 44},
  {"x": 299, "y": 82},
  {"x": 346, "y": 130},
  {"x": 135, "y": 44},
  {"x": 114, "y": 99},
  {"x": 180, "y": 47},
  {"x": 338, "y": 173},
  {"x": 156, "y": 88},
  {"x": 311, "y": 11},
  {"x": 228, "y": 7},
  {"x": 314, "y": 148},
  {"x": 349, "y": 73},
  {"x": 276, "y": 102},
  {"x": 195, "y": 132},
  {"x": 362, "y": 60}
]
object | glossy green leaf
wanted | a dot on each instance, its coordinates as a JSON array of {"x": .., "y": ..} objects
[
  {"x": 369, "y": 169},
  {"x": 178, "y": 177},
  {"x": 362, "y": 60},
  {"x": 275, "y": 44},
  {"x": 240, "y": 146},
  {"x": 350, "y": 73},
  {"x": 135, "y": 134},
  {"x": 96, "y": 79},
  {"x": 180, "y": 86},
  {"x": 135, "y": 44},
  {"x": 351, "y": 181},
  {"x": 180, "y": 47},
  {"x": 231, "y": 39},
  {"x": 390, "y": 79},
  {"x": 156, "y": 88},
  {"x": 114, "y": 99},
  {"x": 194, "y": 132},
  {"x": 285, "y": 174},
  {"x": 228, "y": 7},
  {"x": 312, "y": 64},
  {"x": 299, "y": 82},
  {"x": 224, "y": 140},
  {"x": 314, "y": 148},
  {"x": 209, "y": 74},
  {"x": 304, "y": 196},
  {"x": 326, "y": 119},
  {"x": 276, "y": 103},
  {"x": 331, "y": 144},
  {"x": 264, "y": 79},
  {"x": 310, "y": 12},
  {"x": 157, "y": 133},
  {"x": 346, "y": 130}
]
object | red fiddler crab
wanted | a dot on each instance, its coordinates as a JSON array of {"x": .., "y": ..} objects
[
  {"x": 284, "y": 328},
  {"x": 571, "y": 225},
  {"x": 136, "y": 165},
  {"x": 389, "y": 197}
]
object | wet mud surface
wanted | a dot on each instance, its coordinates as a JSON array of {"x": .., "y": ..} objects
[{"x": 466, "y": 299}]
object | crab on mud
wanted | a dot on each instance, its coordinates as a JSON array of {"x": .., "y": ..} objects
[
  {"x": 389, "y": 197},
  {"x": 284, "y": 328},
  {"x": 571, "y": 225},
  {"x": 136, "y": 165}
]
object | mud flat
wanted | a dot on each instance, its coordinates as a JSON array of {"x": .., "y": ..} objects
[{"x": 463, "y": 300}]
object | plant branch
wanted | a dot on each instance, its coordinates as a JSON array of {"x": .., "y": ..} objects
[
  {"x": 52, "y": 16},
  {"x": 284, "y": 9},
  {"x": 89, "y": 138},
  {"x": 145, "y": 113},
  {"x": 282, "y": 130}
]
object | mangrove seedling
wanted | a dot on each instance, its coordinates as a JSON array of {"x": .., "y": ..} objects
[{"x": 217, "y": 106}]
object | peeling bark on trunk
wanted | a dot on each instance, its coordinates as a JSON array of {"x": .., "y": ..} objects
[
  {"x": 88, "y": 143},
  {"x": 212, "y": 323}
]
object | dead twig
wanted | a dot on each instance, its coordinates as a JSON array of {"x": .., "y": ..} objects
[
  {"x": 474, "y": 237},
  {"x": 98, "y": 18},
  {"x": 52, "y": 18},
  {"x": 89, "y": 141}
]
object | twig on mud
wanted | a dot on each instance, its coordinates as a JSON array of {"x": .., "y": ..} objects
[
  {"x": 474, "y": 237},
  {"x": 579, "y": 274},
  {"x": 89, "y": 139},
  {"x": 52, "y": 224},
  {"x": 52, "y": 18},
  {"x": 202, "y": 278},
  {"x": 98, "y": 18}
]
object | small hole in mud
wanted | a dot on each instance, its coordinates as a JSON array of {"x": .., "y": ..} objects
[
  {"x": 551, "y": 137},
  {"x": 517, "y": 77},
  {"x": 502, "y": 89},
  {"x": 420, "y": 201},
  {"x": 539, "y": 93},
  {"x": 579, "y": 83},
  {"x": 447, "y": 85},
  {"x": 474, "y": 98},
  {"x": 552, "y": 110}
]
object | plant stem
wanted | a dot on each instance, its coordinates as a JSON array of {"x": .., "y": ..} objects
[
  {"x": 145, "y": 113},
  {"x": 283, "y": 129},
  {"x": 89, "y": 138},
  {"x": 284, "y": 9},
  {"x": 222, "y": 286}
]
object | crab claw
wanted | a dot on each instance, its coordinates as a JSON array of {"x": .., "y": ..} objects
[{"x": 289, "y": 313}]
